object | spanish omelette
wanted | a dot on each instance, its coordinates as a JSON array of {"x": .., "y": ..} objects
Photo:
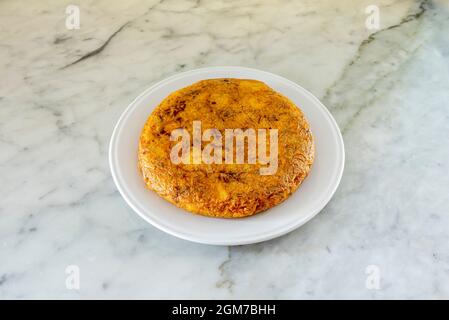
[{"x": 222, "y": 189}]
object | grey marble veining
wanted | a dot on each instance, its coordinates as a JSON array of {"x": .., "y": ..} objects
[{"x": 61, "y": 92}]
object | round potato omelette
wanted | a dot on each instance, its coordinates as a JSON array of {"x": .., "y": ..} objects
[{"x": 226, "y": 188}]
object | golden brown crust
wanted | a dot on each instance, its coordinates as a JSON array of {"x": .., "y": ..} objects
[{"x": 225, "y": 190}]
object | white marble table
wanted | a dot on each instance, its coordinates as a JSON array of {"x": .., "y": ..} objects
[{"x": 61, "y": 92}]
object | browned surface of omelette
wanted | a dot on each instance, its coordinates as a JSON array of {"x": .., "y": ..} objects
[{"x": 225, "y": 190}]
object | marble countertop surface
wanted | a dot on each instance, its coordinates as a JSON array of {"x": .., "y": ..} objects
[{"x": 385, "y": 233}]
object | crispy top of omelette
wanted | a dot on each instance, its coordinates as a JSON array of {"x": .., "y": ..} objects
[{"x": 216, "y": 182}]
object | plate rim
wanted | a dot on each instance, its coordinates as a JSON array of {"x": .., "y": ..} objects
[{"x": 189, "y": 237}]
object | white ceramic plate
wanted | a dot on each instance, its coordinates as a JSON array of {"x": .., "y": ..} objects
[{"x": 304, "y": 204}]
